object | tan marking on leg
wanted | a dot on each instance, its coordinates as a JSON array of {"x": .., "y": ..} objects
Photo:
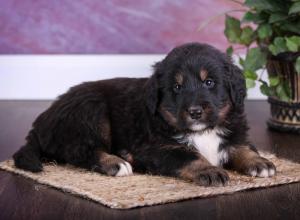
[
  {"x": 105, "y": 158},
  {"x": 247, "y": 161},
  {"x": 203, "y": 173},
  {"x": 113, "y": 165},
  {"x": 240, "y": 154},
  {"x": 189, "y": 171}
]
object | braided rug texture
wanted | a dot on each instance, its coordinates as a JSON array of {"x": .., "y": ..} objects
[{"x": 146, "y": 190}]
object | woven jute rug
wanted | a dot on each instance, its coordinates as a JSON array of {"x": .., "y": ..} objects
[{"x": 145, "y": 190}]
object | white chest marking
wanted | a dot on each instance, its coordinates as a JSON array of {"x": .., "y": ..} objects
[{"x": 207, "y": 144}]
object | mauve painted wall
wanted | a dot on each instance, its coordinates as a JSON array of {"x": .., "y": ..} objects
[{"x": 107, "y": 26}]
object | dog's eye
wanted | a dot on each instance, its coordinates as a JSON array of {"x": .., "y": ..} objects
[
  {"x": 209, "y": 83},
  {"x": 177, "y": 87}
]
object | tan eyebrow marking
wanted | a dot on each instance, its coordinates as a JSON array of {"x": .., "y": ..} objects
[
  {"x": 203, "y": 74},
  {"x": 179, "y": 78}
]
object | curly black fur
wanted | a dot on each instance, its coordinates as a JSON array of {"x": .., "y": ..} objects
[{"x": 140, "y": 117}]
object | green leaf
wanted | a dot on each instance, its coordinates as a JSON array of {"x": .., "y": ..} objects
[
  {"x": 259, "y": 5},
  {"x": 264, "y": 88},
  {"x": 295, "y": 8},
  {"x": 232, "y": 29},
  {"x": 229, "y": 51},
  {"x": 272, "y": 49},
  {"x": 297, "y": 65},
  {"x": 250, "y": 83},
  {"x": 296, "y": 39},
  {"x": 291, "y": 45},
  {"x": 241, "y": 62},
  {"x": 264, "y": 31},
  {"x": 278, "y": 46},
  {"x": 247, "y": 36},
  {"x": 274, "y": 80},
  {"x": 281, "y": 93},
  {"x": 287, "y": 88},
  {"x": 279, "y": 42},
  {"x": 249, "y": 17},
  {"x": 250, "y": 75},
  {"x": 277, "y": 17},
  {"x": 255, "y": 59},
  {"x": 256, "y": 18},
  {"x": 291, "y": 26}
]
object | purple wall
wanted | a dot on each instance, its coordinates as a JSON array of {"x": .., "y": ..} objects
[{"x": 107, "y": 26}]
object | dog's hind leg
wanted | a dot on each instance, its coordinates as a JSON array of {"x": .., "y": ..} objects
[
  {"x": 111, "y": 165},
  {"x": 96, "y": 158},
  {"x": 28, "y": 156}
]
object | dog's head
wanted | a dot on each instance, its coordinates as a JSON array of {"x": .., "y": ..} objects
[{"x": 195, "y": 87}]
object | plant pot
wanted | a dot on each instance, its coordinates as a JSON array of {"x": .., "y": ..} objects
[
  {"x": 285, "y": 116},
  {"x": 283, "y": 65}
]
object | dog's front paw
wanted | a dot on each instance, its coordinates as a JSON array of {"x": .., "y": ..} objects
[
  {"x": 259, "y": 167},
  {"x": 212, "y": 176},
  {"x": 205, "y": 175}
]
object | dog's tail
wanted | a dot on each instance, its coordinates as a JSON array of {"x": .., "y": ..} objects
[{"x": 28, "y": 157}]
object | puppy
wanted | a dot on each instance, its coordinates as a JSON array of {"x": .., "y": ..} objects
[{"x": 186, "y": 121}]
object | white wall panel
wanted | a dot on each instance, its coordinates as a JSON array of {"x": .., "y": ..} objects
[{"x": 47, "y": 76}]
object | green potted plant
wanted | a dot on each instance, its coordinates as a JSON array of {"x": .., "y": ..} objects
[{"x": 270, "y": 32}]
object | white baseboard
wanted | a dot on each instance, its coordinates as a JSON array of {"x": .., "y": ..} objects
[{"x": 47, "y": 76}]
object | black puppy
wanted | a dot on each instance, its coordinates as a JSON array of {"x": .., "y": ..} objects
[{"x": 187, "y": 121}]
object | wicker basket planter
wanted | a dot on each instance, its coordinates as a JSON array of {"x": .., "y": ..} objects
[{"x": 285, "y": 116}]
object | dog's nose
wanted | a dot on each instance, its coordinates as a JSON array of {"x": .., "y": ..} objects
[{"x": 195, "y": 112}]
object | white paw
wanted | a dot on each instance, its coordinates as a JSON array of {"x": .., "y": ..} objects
[
  {"x": 271, "y": 172},
  {"x": 125, "y": 169},
  {"x": 263, "y": 173},
  {"x": 253, "y": 173}
]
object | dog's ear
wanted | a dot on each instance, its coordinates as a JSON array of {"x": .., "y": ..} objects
[
  {"x": 236, "y": 85},
  {"x": 152, "y": 89}
]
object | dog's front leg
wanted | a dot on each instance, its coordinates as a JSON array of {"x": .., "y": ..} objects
[
  {"x": 246, "y": 160},
  {"x": 180, "y": 162}
]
